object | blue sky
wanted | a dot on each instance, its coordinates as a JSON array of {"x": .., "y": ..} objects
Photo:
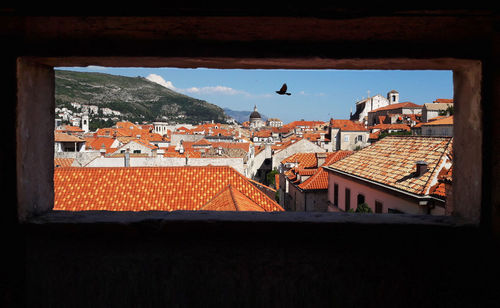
[{"x": 316, "y": 94}]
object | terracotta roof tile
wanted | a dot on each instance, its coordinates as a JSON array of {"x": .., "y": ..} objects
[
  {"x": 149, "y": 188},
  {"x": 320, "y": 178},
  {"x": 231, "y": 199},
  {"x": 397, "y": 106},
  {"x": 304, "y": 160},
  {"x": 347, "y": 125},
  {"x": 440, "y": 121},
  {"x": 63, "y": 137},
  {"x": 391, "y": 161},
  {"x": 69, "y": 128},
  {"x": 443, "y": 101},
  {"x": 393, "y": 126},
  {"x": 63, "y": 162},
  {"x": 97, "y": 143}
]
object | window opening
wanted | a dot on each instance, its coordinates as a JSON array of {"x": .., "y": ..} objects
[
  {"x": 347, "y": 199},
  {"x": 379, "y": 207},
  {"x": 361, "y": 199},
  {"x": 336, "y": 194},
  {"x": 106, "y": 122}
]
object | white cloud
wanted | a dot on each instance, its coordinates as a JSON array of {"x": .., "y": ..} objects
[
  {"x": 214, "y": 90},
  {"x": 222, "y": 90},
  {"x": 159, "y": 80}
]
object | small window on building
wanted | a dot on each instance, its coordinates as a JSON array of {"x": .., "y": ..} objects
[
  {"x": 346, "y": 138},
  {"x": 379, "y": 207},
  {"x": 336, "y": 194},
  {"x": 137, "y": 151},
  {"x": 361, "y": 199},
  {"x": 347, "y": 199}
]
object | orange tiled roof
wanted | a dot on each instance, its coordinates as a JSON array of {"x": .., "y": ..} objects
[
  {"x": 203, "y": 142},
  {"x": 439, "y": 189},
  {"x": 152, "y": 137},
  {"x": 231, "y": 199},
  {"x": 347, "y": 125},
  {"x": 63, "y": 162},
  {"x": 245, "y": 146},
  {"x": 127, "y": 125},
  {"x": 397, "y": 106},
  {"x": 70, "y": 128},
  {"x": 374, "y": 135},
  {"x": 320, "y": 178},
  {"x": 392, "y": 126},
  {"x": 440, "y": 121},
  {"x": 443, "y": 101},
  {"x": 391, "y": 161},
  {"x": 97, "y": 143},
  {"x": 149, "y": 188},
  {"x": 303, "y": 123},
  {"x": 63, "y": 137},
  {"x": 263, "y": 133},
  {"x": 304, "y": 160}
]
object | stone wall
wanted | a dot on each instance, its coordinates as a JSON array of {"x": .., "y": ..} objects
[
  {"x": 234, "y": 162},
  {"x": 81, "y": 158}
]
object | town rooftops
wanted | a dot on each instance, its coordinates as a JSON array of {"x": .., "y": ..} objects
[
  {"x": 444, "y": 100},
  {"x": 304, "y": 160},
  {"x": 392, "y": 162},
  {"x": 231, "y": 199},
  {"x": 347, "y": 125},
  {"x": 319, "y": 180},
  {"x": 155, "y": 189},
  {"x": 397, "y": 106},
  {"x": 440, "y": 121},
  {"x": 394, "y": 126},
  {"x": 63, "y": 137}
]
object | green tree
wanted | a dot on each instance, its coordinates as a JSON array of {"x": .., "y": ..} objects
[
  {"x": 363, "y": 208},
  {"x": 271, "y": 179},
  {"x": 448, "y": 111}
]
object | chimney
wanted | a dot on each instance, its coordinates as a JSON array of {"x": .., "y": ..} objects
[
  {"x": 321, "y": 157},
  {"x": 127, "y": 158},
  {"x": 421, "y": 168}
]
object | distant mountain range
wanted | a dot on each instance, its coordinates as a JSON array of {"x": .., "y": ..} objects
[
  {"x": 242, "y": 116},
  {"x": 136, "y": 98}
]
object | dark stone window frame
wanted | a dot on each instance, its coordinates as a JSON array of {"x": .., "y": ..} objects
[{"x": 34, "y": 73}]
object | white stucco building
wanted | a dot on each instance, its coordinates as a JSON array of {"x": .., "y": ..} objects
[{"x": 371, "y": 103}]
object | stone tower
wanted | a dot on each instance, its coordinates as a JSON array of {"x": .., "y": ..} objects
[
  {"x": 85, "y": 122},
  {"x": 393, "y": 97}
]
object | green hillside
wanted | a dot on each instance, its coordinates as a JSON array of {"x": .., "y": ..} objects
[{"x": 136, "y": 98}]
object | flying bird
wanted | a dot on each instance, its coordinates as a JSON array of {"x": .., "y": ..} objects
[{"x": 282, "y": 91}]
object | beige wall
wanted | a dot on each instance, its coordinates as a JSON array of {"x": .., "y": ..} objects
[{"x": 351, "y": 144}]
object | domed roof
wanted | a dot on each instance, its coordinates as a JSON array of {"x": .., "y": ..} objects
[{"x": 255, "y": 114}]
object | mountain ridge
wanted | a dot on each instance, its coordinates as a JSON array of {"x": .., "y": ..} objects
[{"x": 135, "y": 98}]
